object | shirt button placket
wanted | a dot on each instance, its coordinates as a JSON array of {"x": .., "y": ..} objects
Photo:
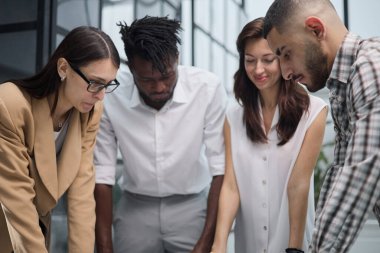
[
  {"x": 159, "y": 158},
  {"x": 264, "y": 202}
]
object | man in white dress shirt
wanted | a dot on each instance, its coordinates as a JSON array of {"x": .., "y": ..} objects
[{"x": 167, "y": 122}]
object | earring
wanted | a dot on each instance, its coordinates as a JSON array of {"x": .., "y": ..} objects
[{"x": 63, "y": 78}]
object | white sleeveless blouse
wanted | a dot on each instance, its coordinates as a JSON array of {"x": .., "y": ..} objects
[{"x": 262, "y": 172}]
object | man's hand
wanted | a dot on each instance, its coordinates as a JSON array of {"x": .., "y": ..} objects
[{"x": 205, "y": 241}]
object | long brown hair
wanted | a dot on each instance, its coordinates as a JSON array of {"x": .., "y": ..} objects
[
  {"x": 293, "y": 99},
  {"x": 80, "y": 47}
]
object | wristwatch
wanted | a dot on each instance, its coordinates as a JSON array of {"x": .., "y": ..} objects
[{"x": 293, "y": 250}]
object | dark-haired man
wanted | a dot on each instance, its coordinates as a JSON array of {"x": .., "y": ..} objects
[
  {"x": 167, "y": 121},
  {"x": 316, "y": 49}
]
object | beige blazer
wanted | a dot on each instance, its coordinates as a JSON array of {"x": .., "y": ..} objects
[{"x": 32, "y": 180}]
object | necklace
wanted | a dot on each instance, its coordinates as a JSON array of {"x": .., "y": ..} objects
[{"x": 61, "y": 123}]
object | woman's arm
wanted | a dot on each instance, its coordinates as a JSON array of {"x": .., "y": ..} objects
[
  {"x": 16, "y": 186},
  {"x": 299, "y": 181},
  {"x": 229, "y": 199},
  {"x": 80, "y": 194}
]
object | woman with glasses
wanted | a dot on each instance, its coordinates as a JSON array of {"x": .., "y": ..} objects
[
  {"x": 273, "y": 136},
  {"x": 48, "y": 125}
]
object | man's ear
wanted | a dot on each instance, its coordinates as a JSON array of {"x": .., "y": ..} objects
[
  {"x": 130, "y": 65},
  {"x": 316, "y": 26},
  {"x": 177, "y": 59}
]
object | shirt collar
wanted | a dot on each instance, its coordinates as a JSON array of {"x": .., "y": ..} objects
[
  {"x": 344, "y": 59},
  {"x": 179, "y": 95},
  {"x": 275, "y": 119},
  {"x": 135, "y": 99}
]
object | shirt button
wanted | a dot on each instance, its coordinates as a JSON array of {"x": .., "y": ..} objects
[
  {"x": 264, "y": 158},
  {"x": 265, "y": 227},
  {"x": 264, "y": 182},
  {"x": 264, "y": 205},
  {"x": 265, "y": 251}
]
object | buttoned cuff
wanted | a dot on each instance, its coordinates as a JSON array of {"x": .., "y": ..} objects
[{"x": 105, "y": 175}]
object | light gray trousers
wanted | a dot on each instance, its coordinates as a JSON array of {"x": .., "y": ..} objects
[{"x": 144, "y": 224}]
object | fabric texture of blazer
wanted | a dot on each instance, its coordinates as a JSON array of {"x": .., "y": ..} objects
[{"x": 32, "y": 180}]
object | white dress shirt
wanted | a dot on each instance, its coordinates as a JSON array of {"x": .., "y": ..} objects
[
  {"x": 262, "y": 172},
  {"x": 175, "y": 150}
]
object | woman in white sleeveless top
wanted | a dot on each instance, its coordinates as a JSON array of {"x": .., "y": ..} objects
[{"x": 273, "y": 137}]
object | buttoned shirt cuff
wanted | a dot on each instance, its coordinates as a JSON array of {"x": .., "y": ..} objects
[
  {"x": 217, "y": 170},
  {"x": 105, "y": 175}
]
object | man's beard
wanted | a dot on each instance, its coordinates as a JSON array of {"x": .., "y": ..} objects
[{"x": 316, "y": 65}]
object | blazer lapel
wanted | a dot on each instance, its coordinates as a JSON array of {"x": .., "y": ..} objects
[
  {"x": 70, "y": 156},
  {"x": 44, "y": 146}
]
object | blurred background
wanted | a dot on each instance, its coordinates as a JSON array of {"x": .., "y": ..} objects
[{"x": 31, "y": 29}]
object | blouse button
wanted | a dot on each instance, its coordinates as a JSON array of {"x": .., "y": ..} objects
[
  {"x": 265, "y": 227},
  {"x": 264, "y": 158},
  {"x": 264, "y": 182}
]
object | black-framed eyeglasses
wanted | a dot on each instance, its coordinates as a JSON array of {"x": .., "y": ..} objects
[{"x": 95, "y": 86}]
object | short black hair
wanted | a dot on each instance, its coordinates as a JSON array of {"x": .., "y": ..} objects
[
  {"x": 281, "y": 13},
  {"x": 277, "y": 15},
  {"x": 152, "y": 38}
]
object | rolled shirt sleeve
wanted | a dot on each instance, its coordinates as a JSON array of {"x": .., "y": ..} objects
[
  {"x": 213, "y": 131},
  {"x": 105, "y": 153}
]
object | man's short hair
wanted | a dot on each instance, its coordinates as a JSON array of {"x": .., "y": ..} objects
[
  {"x": 154, "y": 39},
  {"x": 281, "y": 13}
]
